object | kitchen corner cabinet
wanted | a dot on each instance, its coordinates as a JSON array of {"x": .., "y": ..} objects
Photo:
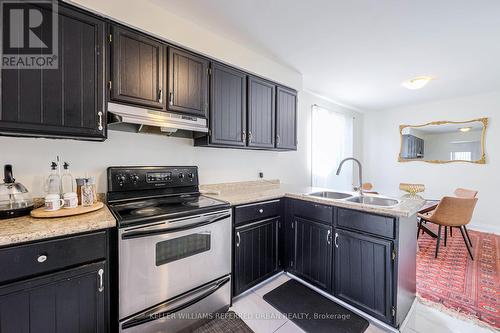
[
  {"x": 312, "y": 259},
  {"x": 137, "y": 72},
  {"x": 363, "y": 272},
  {"x": 261, "y": 113},
  {"x": 67, "y": 102},
  {"x": 56, "y": 285},
  {"x": 286, "y": 118},
  {"x": 187, "y": 83}
]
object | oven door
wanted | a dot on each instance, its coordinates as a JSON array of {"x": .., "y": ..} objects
[{"x": 161, "y": 261}]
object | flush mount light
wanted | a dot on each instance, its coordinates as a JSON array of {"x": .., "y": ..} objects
[
  {"x": 465, "y": 129},
  {"x": 417, "y": 82}
]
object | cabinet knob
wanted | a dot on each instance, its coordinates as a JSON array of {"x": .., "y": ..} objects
[{"x": 41, "y": 258}]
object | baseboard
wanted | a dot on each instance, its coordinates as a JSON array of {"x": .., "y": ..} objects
[{"x": 484, "y": 228}]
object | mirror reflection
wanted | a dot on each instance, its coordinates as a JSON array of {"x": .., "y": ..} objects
[{"x": 443, "y": 142}]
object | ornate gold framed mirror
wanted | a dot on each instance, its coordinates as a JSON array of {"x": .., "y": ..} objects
[{"x": 444, "y": 141}]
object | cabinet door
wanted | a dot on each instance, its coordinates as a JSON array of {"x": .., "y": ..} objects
[
  {"x": 137, "y": 69},
  {"x": 363, "y": 273},
  {"x": 71, "y": 301},
  {"x": 286, "y": 118},
  {"x": 261, "y": 113},
  {"x": 255, "y": 253},
  {"x": 63, "y": 102},
  {"x": 187, "y": 83},
  {"x": 228, "y": 108},
  {"x": 313, "y": 252}
]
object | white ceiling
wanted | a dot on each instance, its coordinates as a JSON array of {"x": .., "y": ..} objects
[{"x": 357, "y": 52}]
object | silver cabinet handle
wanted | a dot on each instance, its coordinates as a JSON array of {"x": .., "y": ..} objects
[
  {"x": 99, "y": 123},
  {"x": 243, "y": 136},
  {"x": 328, "y": 239},
  {"x": 261, "y": 211},
  {"x": 41, "y": 258},
  {"x": 238, "y": 239},
  {"x": 277, "y": 139},
  {"x": 170, "y": 99},
  {"x": 160, "y": 95},
  {"x": 250, "y": 136},
  {"x": 335, "y": 241},
  {"x": 101, "y": 280}
]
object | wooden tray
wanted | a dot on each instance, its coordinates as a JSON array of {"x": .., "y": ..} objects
[{"x": 42, "y": 213}]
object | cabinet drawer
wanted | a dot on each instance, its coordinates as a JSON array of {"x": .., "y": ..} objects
[
  {"x": 374, "y": 224},
  {"x": 313, "y": 211},
  {"x": 256, "y": 211},
  {"x": 28, "y": 260}
]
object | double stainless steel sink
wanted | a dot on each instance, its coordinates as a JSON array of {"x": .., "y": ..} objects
[{"x": 365, "y": 200}]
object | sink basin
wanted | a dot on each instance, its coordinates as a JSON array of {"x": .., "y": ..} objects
[
  {"x": 330, "y": 195},
  {"x": 375, "y": 201}
]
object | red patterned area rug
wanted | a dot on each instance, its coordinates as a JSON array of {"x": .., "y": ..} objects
[{"x": 468, "y": 288}]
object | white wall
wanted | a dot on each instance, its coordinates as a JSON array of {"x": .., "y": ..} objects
[{"x": 381, "y": 147}]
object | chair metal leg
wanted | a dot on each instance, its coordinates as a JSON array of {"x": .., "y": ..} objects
[
  {"x": 451, "y": 231},
  {"x": 419, "y": 227},
  {"x": 445, "y": 235},
  {"x": 468, "y": 237},
  {"x": 466, "y": 242},
  {"x": 438, "y": 240}
]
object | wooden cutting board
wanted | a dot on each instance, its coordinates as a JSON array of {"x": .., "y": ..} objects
[{"x": 63, "y": 212}]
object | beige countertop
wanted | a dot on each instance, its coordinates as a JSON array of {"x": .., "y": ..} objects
[
  {"x": 27, "y": 229},
  {"x": 253, "y": 191}
]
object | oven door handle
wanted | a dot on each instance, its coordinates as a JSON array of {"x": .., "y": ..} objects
[
  {"x": 167, "y": 230},
  {"x": 177, "y": 304}
]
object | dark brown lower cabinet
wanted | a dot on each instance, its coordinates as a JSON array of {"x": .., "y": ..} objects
[
  {"x": 70, "y": 301},
  {"x": 363, "y": 273},
  {"x": 312, "y": 258},
  {"x": 255, "y": 253}
]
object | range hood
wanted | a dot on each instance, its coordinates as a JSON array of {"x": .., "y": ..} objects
[{"x": 124, "y": 117}]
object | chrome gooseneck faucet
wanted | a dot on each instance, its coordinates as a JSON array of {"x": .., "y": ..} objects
[{"x": 360, "y": 188}]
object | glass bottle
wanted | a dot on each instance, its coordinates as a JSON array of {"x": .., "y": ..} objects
[
  {"x": 87, "y": 194},
  {"x": 67, "y": 180},
  {"x": 54, "y": 180}
]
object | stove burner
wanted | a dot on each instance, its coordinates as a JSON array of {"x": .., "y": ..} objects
[{"x": 147, "y": 211}]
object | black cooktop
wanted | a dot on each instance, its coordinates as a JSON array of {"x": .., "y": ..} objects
[{"x": 145, "y": 210}]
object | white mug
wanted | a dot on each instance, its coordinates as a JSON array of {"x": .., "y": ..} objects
[
  {"x": 70, "y": 200},
  {"x": 53, "y": 202}
]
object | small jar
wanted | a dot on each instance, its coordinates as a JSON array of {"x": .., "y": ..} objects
[
  {"x": 87, "y": 194},
  {"x": 70, "y": 200},
  {"x": 79, "y": 183},
  {"x": 92, "y": 183}
]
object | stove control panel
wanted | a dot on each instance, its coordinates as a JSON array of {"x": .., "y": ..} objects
[{"x": 149, "y": 178}]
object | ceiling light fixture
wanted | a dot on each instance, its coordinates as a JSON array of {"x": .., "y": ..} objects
[
  {"x": 417, "y": 82},
  {"x": 465, "y": 129}
]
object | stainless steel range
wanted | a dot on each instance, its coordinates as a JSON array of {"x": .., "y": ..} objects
[{"x": 174, "y": 248}]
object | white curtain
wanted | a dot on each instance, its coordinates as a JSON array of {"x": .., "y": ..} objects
[{"x": 332, "y": 141}]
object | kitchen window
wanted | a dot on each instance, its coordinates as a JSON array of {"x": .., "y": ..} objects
[{"x": 331, "y": 142}]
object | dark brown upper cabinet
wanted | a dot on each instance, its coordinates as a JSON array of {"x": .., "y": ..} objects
[
  {"x": 228, "y": 106},
  {"x": 286, "y": 118},
  {"x": 261, "y": 113},
  {"x": 187, "y": 83},
  {"x": 137, "y": 71},
  {"x": 67, "y": 102}
]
